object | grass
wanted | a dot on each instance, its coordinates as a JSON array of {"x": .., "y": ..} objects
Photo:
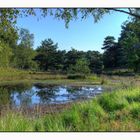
[
  {"x": 10, "y": 74},
  {"x": 13, "y": 76},
  {"x": 115, "y": 111},
  {"x": 108, "y": 112},
  {"x": 113, "y": 101}
]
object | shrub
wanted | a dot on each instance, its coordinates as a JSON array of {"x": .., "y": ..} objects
[{"x": 81, "y": 67}]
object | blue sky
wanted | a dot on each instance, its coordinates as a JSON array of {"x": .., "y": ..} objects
[{"x": 81, "y": 34}]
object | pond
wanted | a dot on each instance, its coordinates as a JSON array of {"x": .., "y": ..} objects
[{"x": 29, "y": 96}]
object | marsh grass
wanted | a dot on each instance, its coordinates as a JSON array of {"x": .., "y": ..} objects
[
  {"x": 108, "y": 112},
  {"x": 135, "y": 110},
  {"x": 9, "y": 74},
  {"x": 13, "y": 76},
  {"x": 112, "y": 101}
]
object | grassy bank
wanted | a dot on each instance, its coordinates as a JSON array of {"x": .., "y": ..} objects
[
  {"x": 116, "y": 111},
  {"x": 14, "y": 76},
  {"x": 10, "y": 74}
]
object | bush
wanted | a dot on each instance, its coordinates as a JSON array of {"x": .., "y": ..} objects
[
  {"x": 76, "y": 76},
  {"x": 81, "y": 67}
]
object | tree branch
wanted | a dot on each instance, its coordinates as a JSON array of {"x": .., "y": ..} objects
[
  {"x": 130, "y": 10},
  {"x": 128, "y": 13}
]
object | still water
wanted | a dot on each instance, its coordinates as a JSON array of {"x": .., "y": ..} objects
[{"x": 36, "y": 95}]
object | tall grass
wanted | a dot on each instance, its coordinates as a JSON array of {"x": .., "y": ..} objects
[
  {"x": 109, "y": 112},
  {"x": 10, "y": 74}
]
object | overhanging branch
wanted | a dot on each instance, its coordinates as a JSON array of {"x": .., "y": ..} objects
[{"x": 123, "y": 11}]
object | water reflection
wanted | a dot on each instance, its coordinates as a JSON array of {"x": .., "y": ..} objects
[
  {"x": 4, "y": 97},
  {"x": 47, "y": 94},
  {"x": 31, "y": 95}
]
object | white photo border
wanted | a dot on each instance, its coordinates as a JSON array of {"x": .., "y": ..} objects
[
  {"x": 71, "y": 135},
  {"x": 70, "y": 3}
]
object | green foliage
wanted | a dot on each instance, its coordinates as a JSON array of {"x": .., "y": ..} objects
[
  {"x": 5, "y": 54},
  {"x": 109, "y": 42},
  {"x": 121, "y": 54},
  {"x": 95, "y": 61},
  {"x": 110, "y": 53},
  {"x": 8, "y": 35},
  {"x": 130, "y": 40},
  {"x": 72, "y": 56},
  {"x": 47, "y": 55},
  {"x": 23, "y": 58},
  {"x": 23, "y": 54},
  {"x": 73, "y": 61},
  {"x": 66, "y": 14},
  {"x": 119, "y": 109},
  {"x": 26, "y": 39},
  {"x": 114, "y": 55},
  {"x": 81, "y": 67}
]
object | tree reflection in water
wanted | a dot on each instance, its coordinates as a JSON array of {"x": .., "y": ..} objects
[
  {"x": 20, "y": 94},
  {"x": 28, "y": 95},
  {"x": 73, "y": 89},
  {"x": 48, "y": 93},
  {"x": 4, "y": 97}
]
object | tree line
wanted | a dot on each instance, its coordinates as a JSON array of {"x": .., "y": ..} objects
[{"x": 16, "y": 50}]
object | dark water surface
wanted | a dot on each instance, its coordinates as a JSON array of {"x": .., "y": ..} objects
[{"x": 51, "y": 94}]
